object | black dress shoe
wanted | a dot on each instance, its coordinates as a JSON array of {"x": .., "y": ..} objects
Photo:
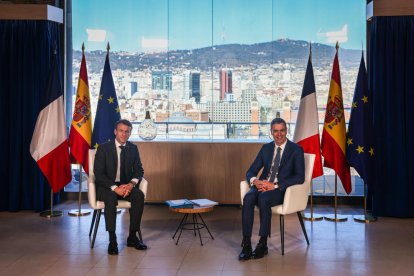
[
  {"x": 113, "y": 248},
  {"x": 135, "y": 242},
  {"x": 246, "y": 252},
  {"x": 260, "y": 251}
]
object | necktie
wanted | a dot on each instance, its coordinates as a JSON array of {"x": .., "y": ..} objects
[
  {"x": 122, "y": 171},
  {"x": 275, "y": 166}
]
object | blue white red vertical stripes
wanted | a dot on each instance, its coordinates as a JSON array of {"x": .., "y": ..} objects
[
  {"x": 307, "y": 124},
  {"x": 49, "y": 145}
]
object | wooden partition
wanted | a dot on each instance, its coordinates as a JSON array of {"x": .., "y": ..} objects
[
  {"x": 393, "y": 7},
  {"x": 196, "y": 169}
]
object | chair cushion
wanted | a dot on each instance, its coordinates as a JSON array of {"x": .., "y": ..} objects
[{"x": 121, "y": 204}]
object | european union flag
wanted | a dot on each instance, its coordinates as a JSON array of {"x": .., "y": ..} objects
[
  {"x": 107, "y": 112},
  {"x": 360, "y": 150}
]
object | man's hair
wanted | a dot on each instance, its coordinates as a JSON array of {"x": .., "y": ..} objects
[
  {"x": 277, "y": 121},
  {"x": 124, "y": 122}
]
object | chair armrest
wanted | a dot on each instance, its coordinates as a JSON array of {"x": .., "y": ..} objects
[
  {"x": 244, "y": 188},
  {"x": 143, "y": 186},
  {"x": 92, "y": 192},
  {"x": 296, "y": 198}
]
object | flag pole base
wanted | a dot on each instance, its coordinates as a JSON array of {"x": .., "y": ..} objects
[
  {"x": 312, "y": 217},
  {"x": 336, "y": 218},
  {"x": 365, "y": 218},
  {"x": 79, "y": 213},
  {"x": 51, "y": 214}
]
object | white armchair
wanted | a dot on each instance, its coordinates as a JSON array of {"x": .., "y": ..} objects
[
  {"x": 295, "y": 200},
  {"x": 98, "y": 206}
]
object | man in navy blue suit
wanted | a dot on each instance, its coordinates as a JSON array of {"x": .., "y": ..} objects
[
  {"x": 283, "y": 165},
  {"x": 118, "y": 171}
]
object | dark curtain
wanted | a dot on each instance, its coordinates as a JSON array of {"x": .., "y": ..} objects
[
  {"x": 26, "y": 49},
  {"x": 391, "y": 78}
]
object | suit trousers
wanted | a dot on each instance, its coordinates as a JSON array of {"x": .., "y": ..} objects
[
  {"x": 265, "y": 201},
  {"x": 110, "y": 198}
]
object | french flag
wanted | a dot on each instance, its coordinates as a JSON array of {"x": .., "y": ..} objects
[
  {"x": 49, "y": 145},
  {"x": 307, "y": 124}
]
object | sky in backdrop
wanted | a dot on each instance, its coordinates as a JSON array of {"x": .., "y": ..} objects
[{"x": 161, "y": 25}]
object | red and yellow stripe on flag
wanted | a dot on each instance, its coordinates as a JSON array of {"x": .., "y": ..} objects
[
  {"x": 81, "y": 129},
  {"x": 334, "y": 131}
]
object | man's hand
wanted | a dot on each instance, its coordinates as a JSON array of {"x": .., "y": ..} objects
[
  {"x": 119, "y": 191},
  {"x": 124, "y": 190},
  {"x": 267, "y": 186},
  {"x": 258, "y": 183}
]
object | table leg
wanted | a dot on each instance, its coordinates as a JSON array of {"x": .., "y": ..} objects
[
  {"x": 182, "y": 226},
  {"x": 179, "y": 225},
  {"x": 205, "y": 225},
  {"x": 194, "y": 224},
  {"x": 198, "y": 228}
]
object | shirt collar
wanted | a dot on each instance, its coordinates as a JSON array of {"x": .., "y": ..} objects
[
  {"x": 282, "y": 146},
  {"x": 117, "y": 144}
]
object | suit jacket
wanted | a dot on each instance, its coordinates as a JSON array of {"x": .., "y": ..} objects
[
  {"x": 106, "y": 162},
  {"x": 291, "y": 167}
]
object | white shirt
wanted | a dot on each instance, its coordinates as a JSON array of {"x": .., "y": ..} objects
[
  {"x": 282, "y": 146},
  {"x": 118, "y": 168}
]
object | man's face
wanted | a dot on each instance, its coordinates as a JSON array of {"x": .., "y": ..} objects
[
  {"x": 279, "y": 132},
  {"x": 122, "y": 133}
]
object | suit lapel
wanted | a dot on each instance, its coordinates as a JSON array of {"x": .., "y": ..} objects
[
  {"x": 270, "y": 155},
  {"x": 114, "y": 155},
  {"x": 286, "y": 153}
]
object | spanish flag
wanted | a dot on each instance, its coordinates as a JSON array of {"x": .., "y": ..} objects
[
  {"x": 81, "y": 129},
  {"x": 334, "y": 131}
]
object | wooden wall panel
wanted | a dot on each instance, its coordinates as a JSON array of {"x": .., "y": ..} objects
[
  {"x": 393, "y": 7},
  {"x": 196, "y": 170},
  {"x": 30, "y": 12}
]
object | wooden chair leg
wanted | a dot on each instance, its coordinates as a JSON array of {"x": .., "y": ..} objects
[
  {"x": 303, "y": 226},
  {"x": 98, "y": 217},
  {"x": 92, "y": 222},
  {"x": 282, "y": 233}
]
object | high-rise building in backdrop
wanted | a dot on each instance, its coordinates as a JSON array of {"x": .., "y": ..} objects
[
  {"x": 161, "y": 80},
  {"x": 226, "y": 83},
  {"x": 195, "y": 86}
]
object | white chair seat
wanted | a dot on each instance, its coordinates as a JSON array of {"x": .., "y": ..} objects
[{"x": 122, "y": 204}]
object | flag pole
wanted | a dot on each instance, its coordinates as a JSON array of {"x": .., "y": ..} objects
[
  {"x": 80, "y": 212},
  {"x": 366, "y": 218},
  {"x": 311, "y": 216},
  {"x": 336, "y": 217},
  {"x": 50, "y": 213}
]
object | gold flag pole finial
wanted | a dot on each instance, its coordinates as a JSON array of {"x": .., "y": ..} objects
[
  {"x": 337, "y": 46},
  {"x": 107, "y": 47}
]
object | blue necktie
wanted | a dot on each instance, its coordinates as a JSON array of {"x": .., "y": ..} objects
[{"x": 275, "y": 166}]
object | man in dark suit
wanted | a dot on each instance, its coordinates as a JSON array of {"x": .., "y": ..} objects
[
  {"x": 118, "y": 172},
  {"x": 283, "y": 165}
]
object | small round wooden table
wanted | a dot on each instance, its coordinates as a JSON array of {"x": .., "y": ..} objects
[{"x": 195, "y": 225}]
